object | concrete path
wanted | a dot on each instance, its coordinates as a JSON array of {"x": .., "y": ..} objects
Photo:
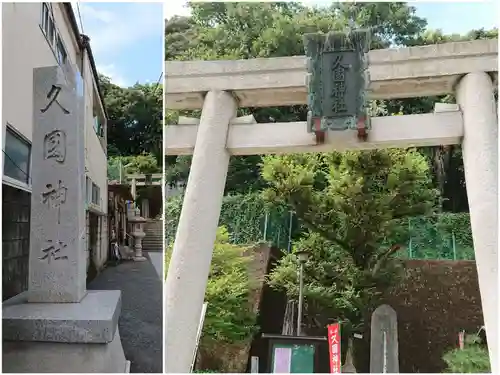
[
  {"x": 157, "y": 260},
  {"x": 140, "y": 321}
]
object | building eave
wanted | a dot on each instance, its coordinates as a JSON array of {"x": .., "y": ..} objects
[{"x": 83, "y": 44}]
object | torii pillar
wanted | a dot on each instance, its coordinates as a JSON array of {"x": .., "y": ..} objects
[
  {"x": 194, "y": 241},
  {"x": 475, "y": 96}
]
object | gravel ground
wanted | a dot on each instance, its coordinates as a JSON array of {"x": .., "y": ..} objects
[{"x": 140, "y": 321}]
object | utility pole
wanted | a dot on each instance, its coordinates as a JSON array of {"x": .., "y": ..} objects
[{"x": 303, "y": 256}]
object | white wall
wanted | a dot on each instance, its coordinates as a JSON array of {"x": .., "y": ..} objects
[
  {"x": 95, "y": 157},
  {"x": 24, "y": 48}
]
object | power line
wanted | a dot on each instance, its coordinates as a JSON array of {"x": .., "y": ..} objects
[
  {"x": 158, "y": 83},
  {"x": 17, "y": 166}
]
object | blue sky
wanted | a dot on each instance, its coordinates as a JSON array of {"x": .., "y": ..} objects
[
  {"x": 458, "y": 17},
  {"x": 126, "y": 39}
]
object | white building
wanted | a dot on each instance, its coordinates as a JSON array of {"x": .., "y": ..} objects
[{"x": 36, "y": 35}]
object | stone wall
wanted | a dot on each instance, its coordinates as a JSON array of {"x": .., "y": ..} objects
[
  {"x": 15, "y": 240},
  {"x": 437, "y": 300},
  {"x": 97, "y": 253}
]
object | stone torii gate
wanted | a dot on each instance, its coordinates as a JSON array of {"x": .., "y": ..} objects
[{"x": 467, "y": 69}]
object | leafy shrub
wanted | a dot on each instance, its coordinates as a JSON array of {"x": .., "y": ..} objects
[
  {"x": 473, "y": 358},
  {"x": 230, "y": 319}
]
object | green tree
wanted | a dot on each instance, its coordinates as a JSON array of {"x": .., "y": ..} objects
[
  {"x": 350, "y": 206},
  {"x": 135, "y": 120},
  {"x": 230, "y": 318},
  {"x": 139, "y": 164},
  {"x": 245, "y": 30}
]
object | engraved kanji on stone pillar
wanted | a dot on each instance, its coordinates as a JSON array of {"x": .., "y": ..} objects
[
  {"x": 337, "y": 65},
  {"x": 57, "y": 270}
]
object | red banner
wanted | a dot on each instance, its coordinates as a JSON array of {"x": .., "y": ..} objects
[{"x": 334, "y": 346}]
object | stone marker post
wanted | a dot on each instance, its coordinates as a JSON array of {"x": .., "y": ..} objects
[
  {"x": 384, "y": 352},
  {"x": 57, "y": 260},
  {"x": 56, "y": 324}
]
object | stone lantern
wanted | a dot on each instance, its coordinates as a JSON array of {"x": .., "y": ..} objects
[{"x": 138, "y": 234}]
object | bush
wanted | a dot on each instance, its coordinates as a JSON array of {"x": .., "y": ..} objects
[
  {"x": 473, "y": 358},
  {"x": 230, "y": 319}
]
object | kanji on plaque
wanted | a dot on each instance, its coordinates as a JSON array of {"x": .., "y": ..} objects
[
  {"x": 337, "y": 81},
  {"x": 334, "y": 347}
]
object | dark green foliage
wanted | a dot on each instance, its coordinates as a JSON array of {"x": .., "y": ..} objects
[{"x": 134, "y": 119}]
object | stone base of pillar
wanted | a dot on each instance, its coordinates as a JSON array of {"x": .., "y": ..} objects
[
  {"x": 51, "y": 357},
  {"x": 63, "y": 337},
  {"x": 140, "y": 258}
]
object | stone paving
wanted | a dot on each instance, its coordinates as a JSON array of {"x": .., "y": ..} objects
[{"x": 140, "y": 321}]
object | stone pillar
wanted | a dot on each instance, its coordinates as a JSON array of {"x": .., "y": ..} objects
[
  {"x": 384, "y": 344},
  {"x": 133, "y": 189},
  {"x": 124, "y": 226},
  {"x": 145, "y": 208},
  {"x": 104, "y": 240},
  {"x": 192, "y": 252},
  {"x": 47, "y": 328},
  {"x": 480, "y": 153},
  {"x": 87, "y": 236}
]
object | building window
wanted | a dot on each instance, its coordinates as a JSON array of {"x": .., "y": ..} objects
[
  {"x": 45, "y": 18},
  {"x": 61, "y": 54},
  {"x": 88, "y": 186},
  {"x": 96, "y": 194},
  {"x": 17, "y": 155},
  {"x": 53, "y": 37},
  {"x": 97, "y": 126}
]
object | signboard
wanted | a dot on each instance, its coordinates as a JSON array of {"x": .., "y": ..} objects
[
  {"x": 293, "y": 358},
  {"x": 337, "y": 80},
  {"x": 334, "y": 347}
]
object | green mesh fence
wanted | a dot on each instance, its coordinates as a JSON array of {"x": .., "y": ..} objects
[
  {"x": 249, "y": 220},
  {"x": 114, "y": 171},
  {"x": 444, "y": 236},
  {"x": 246, "y": 217}
]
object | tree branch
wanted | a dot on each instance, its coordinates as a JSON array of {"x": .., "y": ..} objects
[
  {"x": 329, "y": 236},
  {"x": 383, "y": 257}
]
